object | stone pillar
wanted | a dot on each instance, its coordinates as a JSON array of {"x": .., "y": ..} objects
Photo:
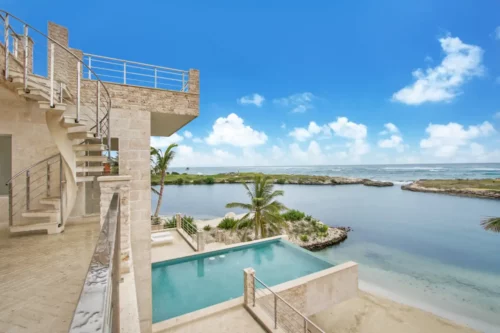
[
  {"x": 178, "y": 221},
  {"x": 61, "y": 56},
  {"x": 118, "y": 184},
  {"x": 20, "y": 52},
  {"x": 194, "y": 81},
  {"x": 201, "y": 240},
  {"x": 248, "y": 286},
  {"x": 219, "y": 236}
]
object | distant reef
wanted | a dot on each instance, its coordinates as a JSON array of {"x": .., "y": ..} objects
[{"x": 475, "y": 188}]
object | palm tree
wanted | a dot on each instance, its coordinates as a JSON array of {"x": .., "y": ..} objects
[
  {"x": 160, "y": 162},
  {"x": 263, "y": 211},
  {"x": 491, "y": 224}
]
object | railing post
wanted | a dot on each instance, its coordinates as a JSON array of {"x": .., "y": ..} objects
[
  {"x": 27, "y": 190},
  {"x": 78, "y": 68},
  {"x": 178, "y": 221},
  {"x": 48, "y": 179},
  {"x": 90, "y": 67},
  {"x": 25, "y": 76},
  {"x": 124, "y": 73},
  {"x": 61, "y": 190},
  {"x": 61, "y": 92},
  {"x": 98, "y": 123},
  {"x": 183, "y": 82},
  {"x": 6, "y": 43},
  {"x": 275, "y": 312},
  {"x": 16, "y": 45},
  {"x": 156, "y": 76},
  {"x": 51, "y": 75},
  {"x": 305, "y": 325},
  {"x": 11, "y": 219}
]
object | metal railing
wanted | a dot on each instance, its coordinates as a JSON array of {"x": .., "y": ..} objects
[
  {"x": 281, "y": 312},
  {"x": 136, "y": 73},
  {"x": 98, "y": 309},
  {"x": 190, "y": 229},
  {"x": 62, "y": 85},
  {"x": 42, "y": 179}
]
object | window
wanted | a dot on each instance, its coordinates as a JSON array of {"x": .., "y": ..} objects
[{"x": 5, "y": 162}]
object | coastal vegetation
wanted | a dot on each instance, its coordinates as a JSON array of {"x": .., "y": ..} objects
[
  {"x": 175, "y": 178},
  {"x": 159, "y": 163},
  {"x": 479, "y": 188}
]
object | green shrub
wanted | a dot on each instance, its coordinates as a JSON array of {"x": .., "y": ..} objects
[
  {"x": 301, "y": 181},
  {"x": 227, "y": 223},
  {"x": 155, "y": 220},
  {"x": 322, "y": 234},
  {"x": 174, "y": 173},
  {"x": 245, "y": 224},
  {"x": 207, "y": 227},
  {"x": 188, "y": 219},
  {"x": 293, "y": 215},
  {"x": 323, "y": 228},
  {"x": 304, "y": 238},
  {"x": 179, "y": 181},
  {"x": 184, "y": 173},
  {"x": 191, "y": 226},
  {"x": 198, "y": 181},
  {"x": 308, "y": 218},
  {"x": 231, "y": 180},
  {"x": 281, "y": 181},
  {"x": 170, "y": 223},
  {"x": 209, "y": 180}
]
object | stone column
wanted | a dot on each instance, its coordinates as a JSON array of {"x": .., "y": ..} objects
[
  {"x": 118, "y": 184},
  {"x": 248, "y": 286},
  {"x": 59, "y": 34},
  {"x": 178, "y": 221},
  {"x": 194, "y": 81},
  {"x": 201, "y": 240}
]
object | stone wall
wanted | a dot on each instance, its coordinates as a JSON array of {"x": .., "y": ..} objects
[{"x": 31, "y": 139}]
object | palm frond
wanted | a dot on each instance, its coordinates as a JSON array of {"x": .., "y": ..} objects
[
  {"x": 491, "y": 224},
  {"x": 239, "y": 205},
  {"x": 155, "y": 191}
]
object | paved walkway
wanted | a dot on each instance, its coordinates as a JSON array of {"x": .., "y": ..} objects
[{"x": 41, "y": 277}]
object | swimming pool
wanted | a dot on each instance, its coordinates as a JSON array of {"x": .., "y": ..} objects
[{"x": 188, "y": 284}]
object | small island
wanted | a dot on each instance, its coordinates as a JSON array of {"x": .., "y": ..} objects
[
  {"x": 175, "y": 178},
  {"x": 476, "y": 188}
]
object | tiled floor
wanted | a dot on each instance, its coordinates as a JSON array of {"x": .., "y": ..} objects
[
  {"x": 178, "y": 248},
  {"x": 41, "y": 277}
]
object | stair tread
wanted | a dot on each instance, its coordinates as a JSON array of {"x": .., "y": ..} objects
[
  {"x": 28, "y": 224},
  {"x": 91, "y": 158},
  {"x": 41, "y": 210},
  {"x": 81, "y": 179}
]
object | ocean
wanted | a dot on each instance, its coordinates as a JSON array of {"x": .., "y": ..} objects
[{"x": 421, "y": 249}]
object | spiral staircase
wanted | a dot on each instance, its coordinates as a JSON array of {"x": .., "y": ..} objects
[{"x": 42, "y": 196}]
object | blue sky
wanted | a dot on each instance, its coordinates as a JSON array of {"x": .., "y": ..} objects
[{"x": 312, "y": 82}]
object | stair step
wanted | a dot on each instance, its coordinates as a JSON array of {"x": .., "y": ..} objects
[
  {"x": 53, "y": 201},
  {"x": 34, "y": 94},
  {"x": 41, "y": 213},
  {"x": 68, "y": 121},
  {"x": 91, "y": 158},
  {"x": 45, "y": 105},
  {"x": 99, "y": 168},
  {"x": 89, "y": 147},
  {"x": 81, "y": 135},
  {"x": 50, "y": 227},
  {"x": 84, "y": 179}
]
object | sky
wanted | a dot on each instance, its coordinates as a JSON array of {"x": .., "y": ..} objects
[{"x": 311, "y": 82}]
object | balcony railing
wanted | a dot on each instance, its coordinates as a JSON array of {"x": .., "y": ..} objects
[
  {"x": 98, "y": 309},
  {"x": 135, "y": 73}
]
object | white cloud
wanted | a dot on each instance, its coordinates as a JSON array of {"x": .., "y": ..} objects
[
  {"x": 162, "y": 142},
  {"x": 313, "y": 154},
  {"x": 497, "y": 33},
  {"x": 254, "y": 99},
  {"x": 303, "y": 134},
  {"x": 442, "y": 83},
  {"x": 298, "y": 102},
  {"x": 233, "y": 131},
  {"x": 348, "y": 129},
  {"x": 445, "y": 140},
  {"x": 188, "y": 135},
  {"x": 497, "y": 115},
  {"x": 197, "y": 140},
  {"x": 389, "y": 128},
  {"x": 395, "y": 141}
]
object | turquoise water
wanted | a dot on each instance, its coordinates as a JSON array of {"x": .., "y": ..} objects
[{"x": 181, "y": 286}]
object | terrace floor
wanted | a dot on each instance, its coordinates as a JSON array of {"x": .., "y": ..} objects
[{"x": 41, "y": 277}]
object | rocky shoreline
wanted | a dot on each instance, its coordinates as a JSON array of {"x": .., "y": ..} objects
[{"x": 468, "y": 192}]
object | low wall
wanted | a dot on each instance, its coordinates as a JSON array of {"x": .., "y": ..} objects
[{"x": 318, "y": 291}]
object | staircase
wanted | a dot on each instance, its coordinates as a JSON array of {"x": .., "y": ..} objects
[{"x": 42, "y": 195}]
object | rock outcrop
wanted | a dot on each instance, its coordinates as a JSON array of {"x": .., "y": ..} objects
[
  {"x": 469, "y": 192},
  {"x": 376, "y": 183}
]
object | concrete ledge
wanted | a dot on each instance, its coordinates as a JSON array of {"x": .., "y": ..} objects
[
  {"x": 162, "y": 326},
  {"x": 117, "y": 178},
  {"x": 264, "y": 320}
]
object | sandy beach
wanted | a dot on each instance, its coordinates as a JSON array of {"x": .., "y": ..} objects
[{"x": 368, "y": 313}]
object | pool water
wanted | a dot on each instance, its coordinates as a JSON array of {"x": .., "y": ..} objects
[{"x": 184, "y": 285}]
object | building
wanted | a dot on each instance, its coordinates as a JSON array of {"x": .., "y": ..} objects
[{"x": 75, "y": 214}]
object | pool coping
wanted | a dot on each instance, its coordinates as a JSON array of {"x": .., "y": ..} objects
[{"x": 285, "y": 237}]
